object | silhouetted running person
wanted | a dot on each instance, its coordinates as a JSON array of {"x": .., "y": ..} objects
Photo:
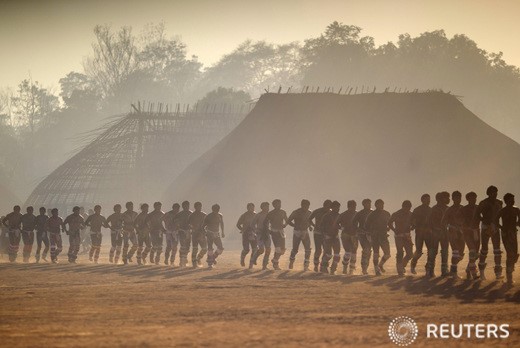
[
  {"x": 198, "y": 235},
  {"x": 154, "y": 221},
  {"x": 144, "y": 244},
  {"x": 171, "y": 234},
  {"x": 487, "y": 214},
  {"x": 41, "y": 235},
  {"x": 263, "y": 237},
  {"x": 74, "y": 222},
  {"x": 244, "y": 225},
  {"x": 453, "y": 222},
  {"x": 28, "y": 226},
  {"x": 439, "y": 236},
  {"x": 331, "y": 243},
  {"x": 363, "y": 236},
  {"x": 299, "y": 219},
  {"x": 510, "y": 218},
  {"x": 115, "y": 223},
  {"x": 54, "y": 227},
  {"x": 349, "y": 237},
  {"x": 213, "y": 225},
  {"x": 13, "y": 222},
  {"x": 423, "y": 232},
  {"x": 315, "y": 221},
  {"x": 470, "y": 227},
  {"x": 182, "y": 220},
  {"x": 95, "y": 222},
  {"x": 275, "y": 222},
  {"x": 401, "y": 223},
  {"x": 377, "y": 226},
  {"x": 129, "y": 235}
]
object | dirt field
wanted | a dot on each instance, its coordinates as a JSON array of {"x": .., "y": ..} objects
[{"x": 129, "y": 306}]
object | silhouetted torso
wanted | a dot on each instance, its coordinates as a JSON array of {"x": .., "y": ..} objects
[
  {"x": 469, "y": 216},
  {"x": 96, "y": 221},
  {"x": 246, "y": 221},
  {"x": 488, "y": 210},
  {"x": 329, "y": 224},
  {"x": 14, "y": 220},
  {"x": 75, "y": 222},
  {"x": 129, "y": 220},
  {"x": 317, "y": 215},
  {"x": 40, "y": 222},
  {"x": 377, "y": 221},
  {"x": 436, "y": 216},
  {"x": 346, "y": 221},
  {"x": 28, "y": 222},
  {"x": 360, "y": 220},
  {"x": 169, "y": 221},
  {"x": 140, "y": 221},
  {"x": 212, "y": 222},
  {"x": 154, "y": 220},
  {"x": 421, "y": 217},
  {"x": 453, "y": 217},
  {"x": 116, "y": 221},
  {"x": 182, "y": 219},
  {"x": 402, "y": 220},
  {"x": 54, "y": 224},
  {"x": 276, "y": 219},
  {"x": 301, "y": 219},
  {"x": 510, "y": 217},
  {"x": 196, "y": 220}
]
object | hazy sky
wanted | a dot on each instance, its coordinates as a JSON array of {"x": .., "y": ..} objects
[{"x": 47, "y": 39}]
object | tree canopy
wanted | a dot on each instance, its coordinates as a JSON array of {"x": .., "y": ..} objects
[{"x": 124, "y": 67}]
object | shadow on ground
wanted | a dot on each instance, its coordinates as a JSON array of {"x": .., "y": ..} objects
[{"x": 465, "y": 291}]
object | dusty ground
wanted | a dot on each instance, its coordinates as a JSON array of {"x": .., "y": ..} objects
[{"x": 106, "y": 305}]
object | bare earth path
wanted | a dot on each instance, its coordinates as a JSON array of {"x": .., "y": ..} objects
[{"x": 106, "y": 305}]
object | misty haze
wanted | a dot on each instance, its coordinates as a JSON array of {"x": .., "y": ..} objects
[{"x": 241, "y": 173}]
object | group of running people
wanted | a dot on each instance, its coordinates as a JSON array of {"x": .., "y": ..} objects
[
  {"x": 438, "y": 228},
  {"x": 145, "y": 231}
]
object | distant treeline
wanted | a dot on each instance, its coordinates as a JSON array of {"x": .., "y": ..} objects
[{"x": 37, "y": 124}]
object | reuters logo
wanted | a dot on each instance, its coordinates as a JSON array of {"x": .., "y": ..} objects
[{"x": 403, "y": 331}]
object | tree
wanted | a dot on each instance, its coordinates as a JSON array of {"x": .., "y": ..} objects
[
  {"x": 5, "y": 106},
  {"x": 339, "y": 52},
  {"x": 165, "y": 61},
  {"x": 32, "y": 104},
  {"x": 114, "y": 59},
  {"x": 78, "y": 92},
  {"x": 254, "y": 66},
  {"x": 223, "y": 95},
  {"x": 490, "y": 87}
]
